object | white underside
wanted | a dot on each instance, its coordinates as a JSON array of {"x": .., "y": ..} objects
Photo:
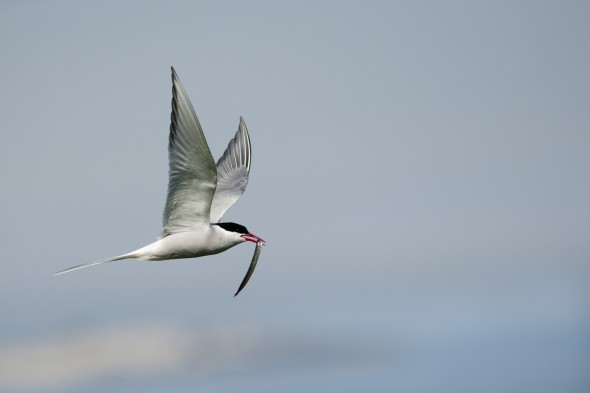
[
  {"x": 196, "y": 242},
  {"x": 190, "y": 244}
]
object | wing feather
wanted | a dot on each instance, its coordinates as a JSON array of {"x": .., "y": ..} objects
[
  {"x": 192, "y": 175},
  {"x": 233, "y": 169}
]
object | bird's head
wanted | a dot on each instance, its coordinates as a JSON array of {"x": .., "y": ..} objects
[{"x": 240, "y": 231}]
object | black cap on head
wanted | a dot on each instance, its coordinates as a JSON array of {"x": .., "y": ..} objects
[{"x": 233, "y": 227}]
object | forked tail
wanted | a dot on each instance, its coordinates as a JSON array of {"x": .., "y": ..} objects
[{"x": 126, "y": 256}]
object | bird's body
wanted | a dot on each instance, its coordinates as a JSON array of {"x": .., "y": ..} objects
[
  {"x": 208, "y": 240},
  {"x": 199, "y": 192}
]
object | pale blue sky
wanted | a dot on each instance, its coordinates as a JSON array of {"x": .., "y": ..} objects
[{"x": 420, "y": 172}]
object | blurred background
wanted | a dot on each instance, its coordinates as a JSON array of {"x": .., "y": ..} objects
[{"x": 420, "y": 174}]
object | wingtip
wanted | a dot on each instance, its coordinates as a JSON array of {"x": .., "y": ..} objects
[
  {"x": 242, "y": 125},
  {"x": 242, "y": 122}
]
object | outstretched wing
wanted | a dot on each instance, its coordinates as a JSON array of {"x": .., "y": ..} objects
[
  {"x": 193, "y": 175},
  {"x": 233, "y": 169}
]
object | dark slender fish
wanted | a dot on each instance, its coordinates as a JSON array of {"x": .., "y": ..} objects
[{"x": 259, "y": 245}]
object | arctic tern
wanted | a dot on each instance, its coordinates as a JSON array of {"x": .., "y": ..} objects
[{"x": 199, "y": 192}]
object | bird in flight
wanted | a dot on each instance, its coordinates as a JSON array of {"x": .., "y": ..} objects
[{"x": 199, "y": 193}]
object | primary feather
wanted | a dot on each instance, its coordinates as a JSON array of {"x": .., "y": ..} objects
[
  {"x": 192, "y": 175},
  {"x": 233, "y": 169}
]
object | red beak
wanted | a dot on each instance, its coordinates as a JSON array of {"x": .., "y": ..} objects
[{"x": 252, "y": 238}]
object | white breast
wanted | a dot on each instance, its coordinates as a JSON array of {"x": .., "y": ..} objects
[{"x": 191, "y": 244}]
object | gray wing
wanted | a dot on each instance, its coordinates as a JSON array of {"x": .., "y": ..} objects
[
  {"x": 233, "y": 169},
  {"x": 192, "y": 175}
]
